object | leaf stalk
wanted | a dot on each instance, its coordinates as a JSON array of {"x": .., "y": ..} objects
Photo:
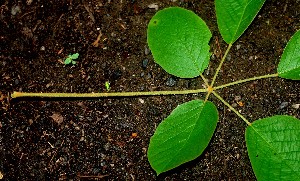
[
  {"x": 105, "y": 94},
  {"x": 231, "y": 108},
  {"x": 220, "y": 65},
  {"x": 246, "y": 80}
]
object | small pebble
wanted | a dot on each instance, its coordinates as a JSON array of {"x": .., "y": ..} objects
[
  {"x": 17, "y": 81},
  {"x": 237, "y": 98},
  {"x": 4, "y": 63},
  {"x": 145, "y": 63},
  {"x": 213, "y": 57},
  {"x": 283, "y": 105},
  {"x": 296, "y": 106},
  {"x": 107, "y": 146},
  {"x": 96, "y": 171},
  {"x": 170, "y": 82},
  {"x": 153, "y": 6},
  {"x": 116, "y": 75},
  {"x": 147, "y": 50},
  {"x": 149, "y": 76},
  {"x": 141, "y": 100},
  {"x": 228, "y": 57},
  {"x": 28, "y": 2},
  {"x": 102, "y": 164},
  {"x": 15, "y": 10},
  {"x": 113, "y": 34}
]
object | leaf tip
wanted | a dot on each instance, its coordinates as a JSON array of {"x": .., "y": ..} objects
[{"x": 158, "y": 172}]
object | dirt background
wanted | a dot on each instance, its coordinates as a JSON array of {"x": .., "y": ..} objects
[{"x": 81, "y": 139}]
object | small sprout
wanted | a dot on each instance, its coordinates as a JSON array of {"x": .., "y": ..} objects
[
  {"x": 71, "y": 59},
  {"x": 107, "y": 85}
]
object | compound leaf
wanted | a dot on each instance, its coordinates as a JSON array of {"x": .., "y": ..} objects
[
  {"x": 289, "y": 65},
  {"x": 183, "y": 135},
  {"x": 178, "y": 40},
  {"x": 234, "y": 16},
  {"x": 274, "y": 148}
]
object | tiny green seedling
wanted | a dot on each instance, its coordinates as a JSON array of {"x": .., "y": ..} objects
[
  {"x": 71, "y": 59},
  {"x": 107, "y": 85},
  {"x": 178, "y": 40}
]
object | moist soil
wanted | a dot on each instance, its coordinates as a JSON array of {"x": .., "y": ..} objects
[{"x": 107, "y": 139}]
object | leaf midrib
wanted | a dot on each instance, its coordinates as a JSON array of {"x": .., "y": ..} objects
[
  {"x": 238, "y": 27},
  {"x": 201, "y": 108}
]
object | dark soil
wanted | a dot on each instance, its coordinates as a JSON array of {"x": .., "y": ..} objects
[{"x": 81, "y": 139}]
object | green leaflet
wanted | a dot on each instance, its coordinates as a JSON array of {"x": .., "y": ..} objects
[
  {"x": 178, "y": 40},
  {"x": 183, "y": 135},
  {"x": 274, "y": 148},
  {"x": 234, "y": 16},
  {"x": 289, "y": 65}
]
